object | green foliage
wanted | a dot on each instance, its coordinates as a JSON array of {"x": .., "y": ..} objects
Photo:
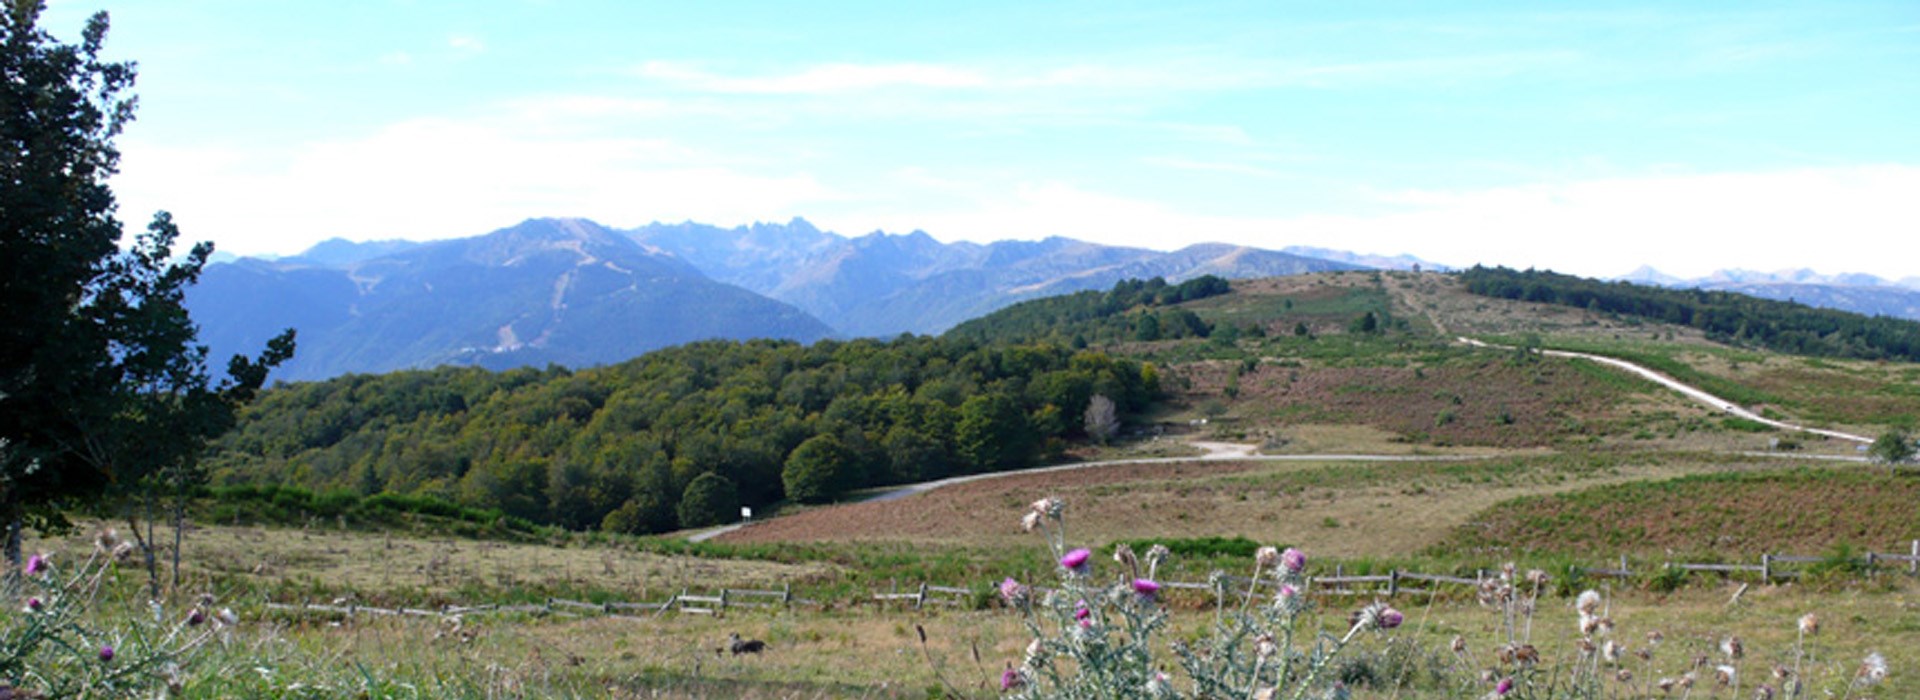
[
  {"x": 1725, "y": 316},
  {"x": 819, "y": 470},
  {"x": 1892, "y": 447},
  {"x": 104, "y": 384},
  {"x": 710, "y": 499},
  {"x": 1213, "y": 547},
  {"x": 1132, "y": 310},
  {"x": 568, "y": 448}
]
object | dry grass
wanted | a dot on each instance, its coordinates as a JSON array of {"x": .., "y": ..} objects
[
  {"x": 378, "y": 567},
  {"x": 1335, "y": 508},
  {"x": 874, "y": 653}
]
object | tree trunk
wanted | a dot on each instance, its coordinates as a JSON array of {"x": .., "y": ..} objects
[
  {"x": 179, "y": 527},
  {"x": 153, "y": 562}
]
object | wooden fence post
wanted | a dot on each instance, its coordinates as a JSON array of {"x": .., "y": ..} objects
[
  {"x": 922, "y": 598},
  {"x": 723, "y": 599},
  {"x": 1766, "y": 568},
  {"x": 786, "y": 594},
  {"x": 1913, "y": 561},
  {"x": 1393, "y": 582}
]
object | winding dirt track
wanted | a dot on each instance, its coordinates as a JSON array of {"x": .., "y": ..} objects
[
  {"x": 1239, "y": 452},
  {"x": 1692, "y": 392}
]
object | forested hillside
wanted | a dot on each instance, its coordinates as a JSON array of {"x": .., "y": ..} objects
[
  {"x": 1129, "y": 311},
  {"x": 1734, "y": 318},
  {"x": 682, "y": 436}
]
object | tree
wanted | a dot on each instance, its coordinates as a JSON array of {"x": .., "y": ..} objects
[
  {"x": 1102, "y": 418},
  {"x": 993, "y": 434},
  {"x": 819, "y": 470},
  {"x": 63, "y": 107},
  {"x": 101, "y": 382},
  {"x": 710, "y": 499},
  {"x": 1892, "y": 447}
]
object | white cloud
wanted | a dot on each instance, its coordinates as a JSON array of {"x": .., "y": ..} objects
[
  {"x": 428, "y": 179},
  {"x": 1858, "y": 219},
  {"x": 466, "y": 43},
  {"x": 826, "y": 78}
]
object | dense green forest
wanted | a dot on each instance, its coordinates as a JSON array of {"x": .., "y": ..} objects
[
  {"x": 1129, "y": 311},
  {"x": 1727, "y": 317},
  {"x": 681, "y": 437}
]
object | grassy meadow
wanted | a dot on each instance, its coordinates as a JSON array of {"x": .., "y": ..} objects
[{"x": 1479, "y": 457}]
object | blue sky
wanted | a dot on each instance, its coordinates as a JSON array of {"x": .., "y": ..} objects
[{"x": 1588, "y": 138}]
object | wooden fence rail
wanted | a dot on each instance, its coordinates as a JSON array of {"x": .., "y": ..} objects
[{"x": 1390, "y": 584}]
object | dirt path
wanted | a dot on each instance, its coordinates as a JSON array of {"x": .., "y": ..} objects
[
  {"x": 1695, "y": 393},
  {"x": 1215, "y": 451}
]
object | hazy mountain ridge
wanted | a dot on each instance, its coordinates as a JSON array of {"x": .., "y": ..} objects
[
  {"x": 882, "y": 284},
  {"x": 1855, "y": 292},
  {"x": 561, "y": 291}
]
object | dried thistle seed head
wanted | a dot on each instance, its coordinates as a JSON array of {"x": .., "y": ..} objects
[
  {"x": 1123, "y": 555},
  {"x": 1732, "y": 647},
  {"x": 1034, "y": 650},
  {"x": 1623, "y": 675},
  {"x": 1507, "y": 571},
  {"x": 1809, "y": 624},
  {"x": 1459, "y": 644},
  {"x": 1700, "y": 660},
  {"x": 1536, "y": 577},
  {"x": 1586, "y": 646},
  {"x": 1589, "y": 624},
  {"x": 105, "y": 540},
  {"x": 1873, "y": 669},
  {"x": 1266, "y": 557},
  {"x": 1765, "y": 692},
  {"x": 1506, "y": 654},
  {"x": 1686, "y": 680},
  {"x": 1654, "y": 637},
  {"x": 1526, "y": 654},
  {"x": 1724, "y": 674},
  {"x": 1588, "y": 603},
  {"x": 1030, "y": 521},
  {"x": 1611, "y": 651},
  {"x": 1644, "y": 654},
  {"x": 1665, "y": 685},
  {"x": 1157, "y": 555},
  {"x": 1781, "y": 672},
  {"x": 1264, "y": 647}
]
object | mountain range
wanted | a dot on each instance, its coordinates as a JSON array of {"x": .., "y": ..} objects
[
  {"x": 572, "y": 292},
  {"x": 1855, "y": 292},
  {"x": 575, "y": 293}
]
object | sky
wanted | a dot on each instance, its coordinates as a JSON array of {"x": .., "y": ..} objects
[{"x": 1588, "y": 138}]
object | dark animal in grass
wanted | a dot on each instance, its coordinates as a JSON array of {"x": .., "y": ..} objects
[{"x": 744, "y": 646}]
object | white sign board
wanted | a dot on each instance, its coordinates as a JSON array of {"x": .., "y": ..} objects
[{"x": 746, "y": 513}]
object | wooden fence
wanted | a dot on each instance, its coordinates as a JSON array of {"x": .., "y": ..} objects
[{"x": 1770, "y": 567}]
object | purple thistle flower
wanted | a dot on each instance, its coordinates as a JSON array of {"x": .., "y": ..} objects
[
  {"x": 1081, "y": 612},
  {"x": 38, "y": 564},
  {"x": 1391, "y": 618},
  {"x": 196, "y": 618},
  {"x": 1293, "y": 560},
  {"x": 1076, "y": 561},
  {"x": 34, "y": 604},
  {"x": 1146, "y": 588},
  {"x": 1012, "y": 592},
  {"x": 1011, "y": 678},
  {"x": 106, "y": 653},
  {"x": 1504, "y": 686}
]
